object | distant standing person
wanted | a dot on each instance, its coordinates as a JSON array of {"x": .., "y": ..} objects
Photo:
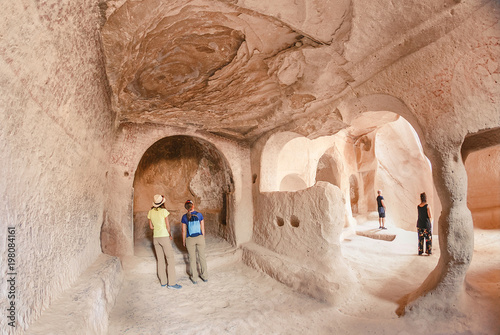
[
  {"x": 424, "y": 226},
  {"x": 158, "y": 222},
  {"x": 193, "y": 238},
  {"x": 381, "y": 210}
]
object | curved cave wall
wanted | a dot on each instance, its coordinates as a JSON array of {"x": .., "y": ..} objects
[
  {"x": 132, "y": 142},
  {"x": 368, "y": 156},
  {"x": 292, "y": 182},
  {"x": 56, "y": 131},
  {"x": 328, "y": 171},
  {"x": 402, "y": 173},
  {"x": 483, "y": 191},
  {"x": 354, "y": 193},
  {"x": 181, "y": 168}
]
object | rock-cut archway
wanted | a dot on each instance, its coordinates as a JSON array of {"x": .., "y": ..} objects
[{"x": 181, "y": 168}]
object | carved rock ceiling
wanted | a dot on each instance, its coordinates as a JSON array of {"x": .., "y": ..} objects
[{"x": 242, "y": 68}]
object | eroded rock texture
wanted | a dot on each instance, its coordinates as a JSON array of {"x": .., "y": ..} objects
[
  {"x": 182, "y": 168},
  {"x": 56, "y": 132},
  {"x": 483, "y": 194},
  {"x": 303, "y": 241},
  {"x": 225, "y": 68}
]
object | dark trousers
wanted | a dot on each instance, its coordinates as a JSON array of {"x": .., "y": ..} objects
[{"x": 424, "y": 233}]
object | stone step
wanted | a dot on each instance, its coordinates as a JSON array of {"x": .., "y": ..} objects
[
  {"x": 378, "y": 234},
  {"x": 84, "y": 308}
]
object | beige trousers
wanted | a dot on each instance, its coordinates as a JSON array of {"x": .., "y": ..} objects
[
  {"x": 163, "y": 249},
  {"x": 193, "y": 244}
]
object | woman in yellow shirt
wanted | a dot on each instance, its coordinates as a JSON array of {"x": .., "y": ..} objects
[{"x": 158, "y": 222}]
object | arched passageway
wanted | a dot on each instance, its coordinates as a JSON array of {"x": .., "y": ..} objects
[
  {"x": 341, "y": 173},
  {"x": 483, "y": 187},
  {"x": 402, "y": 172},
  {"x": 380, "y": 151},
  {"x": 181, "y": 168},
  {"x": 292, "y": 182},
  {"x": 481, "y": 155}
]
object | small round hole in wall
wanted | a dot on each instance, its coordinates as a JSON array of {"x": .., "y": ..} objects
[
  {"x": 294, "y": 221},
  {"x": 280, "y": 222},
  {"x": 125, "y": 173},
  {"x": 254, "y": 178}
]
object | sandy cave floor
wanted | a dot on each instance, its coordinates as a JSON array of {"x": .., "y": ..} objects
[{"x": 240, "y": 300}]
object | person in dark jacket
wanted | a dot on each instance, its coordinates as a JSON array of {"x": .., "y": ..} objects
[
  {"x": 381, "y": 210},
  {"x": 424, "y": 226}
]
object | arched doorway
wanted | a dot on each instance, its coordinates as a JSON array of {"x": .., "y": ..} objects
[
  {"x": 481, "y": 155},
  {"x": 483, "y": 191},
  {"x": 292, "y": 182},
  {"x": 181, "y": 168}
]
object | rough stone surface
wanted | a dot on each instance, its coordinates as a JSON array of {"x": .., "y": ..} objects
[
  {"x": 438, "y": 88},
  {"x": 403, "y": 172},
  {"x": 483, "y": 194},
  {"x": 240, "y": 300},
  {"x": 292, "y": 172},
  {"x": 304, "y": 227},
  {"x": 56, "y": 131},
  {"x": 197, "y": 48},
  {"x": 131, "y": 144},
  {"x": 183, "y": 168},
  {"x": 85, "y": 308},
  {"x": 387, "y": 156}
]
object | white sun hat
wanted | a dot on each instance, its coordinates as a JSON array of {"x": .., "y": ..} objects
[{"x": 158, "y": 200}]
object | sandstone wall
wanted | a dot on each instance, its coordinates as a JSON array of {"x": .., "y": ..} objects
[
  {"x": 296, "y": 224},
  {"x": 304, "y": 228},
  {"x": 340, "y": 166},
  {"x": 299, "y": 157},
  {"x": 403, "y": 172},
  {"x": 266, "y": 168},
  {"x": 181, "y": 168},
  {"x": 131, "y": 143},
  {"x": 366, "y": 169},
  {"x": 55, "y": 134},
  {"x": 85, "y": 307},
  {"x": 374, "y": 152},
  {"x": 483, "y": 188},
  {"x": 291, "y": 163},
  {"x": 451, "y": 89}
]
